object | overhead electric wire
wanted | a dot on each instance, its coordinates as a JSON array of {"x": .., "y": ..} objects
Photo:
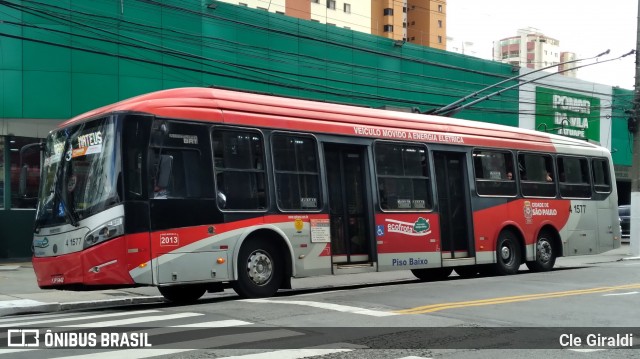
[
  {"x": 378, "y": 69},
  {"x": 347, "y": 64},
  {"x": 270, "y": 72}
]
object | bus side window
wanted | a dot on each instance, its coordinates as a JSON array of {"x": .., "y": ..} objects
[
  {"x": 403, "y": 176},
  {"x": 574, "y": 177},
  {"x": 240, "y": 177},
  {"x": 494, "y": 173},
  {"x": 295, "y": 160},
  {"x": 164, "y": 169},
  {"x": 178, "y": 174},
  {"x": 537, "y": 175},
  {"x": 601, "y": 178}
]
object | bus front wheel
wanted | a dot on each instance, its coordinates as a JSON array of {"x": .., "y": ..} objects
[
  {"x": 508, "y": 258},
  {"x": 182, "y": 294},
  {"x": 260, "y": 270},
  {"x": 545, "y": 254}
]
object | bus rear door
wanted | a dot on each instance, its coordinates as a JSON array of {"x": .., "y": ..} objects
[
  {"x": 456, "y": 227},
  {"x": 346, "y": 167}
]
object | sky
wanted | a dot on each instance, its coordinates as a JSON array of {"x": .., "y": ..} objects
[{"x": 584, "y": 27}]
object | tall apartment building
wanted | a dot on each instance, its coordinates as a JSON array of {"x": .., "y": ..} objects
[
  {"x": 417, "y": 21},
  {"x": 349, "y": 14},
  {"x": 568, "y": 70},
  {"x": 532, "y": 49}
]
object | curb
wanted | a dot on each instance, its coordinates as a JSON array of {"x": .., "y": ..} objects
[
  {"x": 108, "y": 303},
  {"x": 9, "y": 267},
  {"x": 41, "y": 307}
]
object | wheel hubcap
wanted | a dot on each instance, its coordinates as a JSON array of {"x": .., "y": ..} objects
[
  {"x": 544, "y": 250},
  {"x": 259, "y": 267},
  {"x": 505, "y": 253}
]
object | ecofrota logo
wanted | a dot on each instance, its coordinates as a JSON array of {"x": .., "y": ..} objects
[{"x": 41, "y": 243}]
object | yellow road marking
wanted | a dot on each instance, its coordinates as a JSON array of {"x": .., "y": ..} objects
[{"x": 518, "y": 298}]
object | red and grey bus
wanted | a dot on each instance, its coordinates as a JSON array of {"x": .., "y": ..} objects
[{"x": 195, "y": 189}]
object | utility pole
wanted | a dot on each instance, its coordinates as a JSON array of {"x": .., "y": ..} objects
[{"x": 635, "y": 164}]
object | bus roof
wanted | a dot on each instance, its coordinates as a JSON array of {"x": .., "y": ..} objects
[{"x": 249, "y": 109}]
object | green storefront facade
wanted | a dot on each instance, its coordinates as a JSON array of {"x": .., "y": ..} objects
[{"x": 61, "y": 58}]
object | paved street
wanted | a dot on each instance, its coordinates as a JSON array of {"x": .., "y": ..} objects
[
  {"x": 388, "y": 315},
  {"x": 19, "y": 292}
]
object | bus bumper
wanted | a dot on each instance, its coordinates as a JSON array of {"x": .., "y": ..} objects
[{"x": 104, "y": 265}]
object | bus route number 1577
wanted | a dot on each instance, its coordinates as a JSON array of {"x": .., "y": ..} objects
[{"x": 169, "y": 240}]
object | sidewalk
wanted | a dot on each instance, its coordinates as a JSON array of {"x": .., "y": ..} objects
[{"x": 19, "y": 292}]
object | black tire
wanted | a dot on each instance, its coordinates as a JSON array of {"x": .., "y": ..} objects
[
  {"x": 260, "y": 269},
  {"x": 467, "y": 271},
  {"x": 431, "y": 274},
  {"x": 182, "y": 294},
  {"x": 508, "y": 254},
  {"x": 545, "y": 253}
]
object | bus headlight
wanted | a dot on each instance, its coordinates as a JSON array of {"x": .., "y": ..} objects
[{"x": 104, "y": 232}]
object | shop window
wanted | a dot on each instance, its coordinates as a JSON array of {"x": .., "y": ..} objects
[
  {"x": 1, "y": 172},
  {"x": 31, "y": 163}
]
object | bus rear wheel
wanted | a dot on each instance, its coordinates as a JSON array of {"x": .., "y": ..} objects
[
  {"x": 182, "y": 294},
  {"x": 508, "y": 257},
  {"x": 260, "y": 269},
  {"x": 430, "y": 274},
  {"x": 545, "y": 254}
]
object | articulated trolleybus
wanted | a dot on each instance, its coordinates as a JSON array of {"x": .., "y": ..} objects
[{"x": 196, "y": 189}]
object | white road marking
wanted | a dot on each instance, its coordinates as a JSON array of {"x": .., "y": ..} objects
[
  {"x": 214, "y": 324},
  {"x": 615, "y": 294},
  {"x": 22, "y": 318},
  {"x": 119, "y": 314},
  {"x": 137, "y": 320},
  {"x": 328, "y": 306},
  {"x": 21, "y": 303},
  {"x": 10, "y": 351},
  {"x": 586, "y": 350},
  {"x": 289, "y": 354},
  {"x": 128, "y": 353}
]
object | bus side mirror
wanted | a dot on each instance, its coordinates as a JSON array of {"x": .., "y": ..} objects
[
  {"x": 22, "y": 184},
  {"x": 164, "y": 172},
  {"x": 22, "y": 190}
]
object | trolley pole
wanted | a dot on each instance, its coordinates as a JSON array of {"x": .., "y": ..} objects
[{"x": 635, "y": 165}]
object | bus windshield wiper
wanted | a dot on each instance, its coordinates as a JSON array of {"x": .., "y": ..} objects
[{"x": 68, "y": 212}]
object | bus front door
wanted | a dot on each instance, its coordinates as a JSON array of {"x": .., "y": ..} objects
[
  {"x": 453, "y": 205},
  {"x": 348, "y": 209}
]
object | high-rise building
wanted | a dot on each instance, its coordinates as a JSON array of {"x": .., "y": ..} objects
[
  {"x": 529, "y": 48},
  {"x": 416, "y": 21},
  {"x": 568, "y": 70}
]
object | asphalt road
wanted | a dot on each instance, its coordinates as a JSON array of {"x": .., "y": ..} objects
[{"x": 455, "y": 318}]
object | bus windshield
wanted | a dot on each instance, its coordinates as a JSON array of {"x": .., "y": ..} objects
[{"x": 79, "y": 174}]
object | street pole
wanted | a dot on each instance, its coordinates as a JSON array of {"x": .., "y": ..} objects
[{"x": 635, "y": 164}]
